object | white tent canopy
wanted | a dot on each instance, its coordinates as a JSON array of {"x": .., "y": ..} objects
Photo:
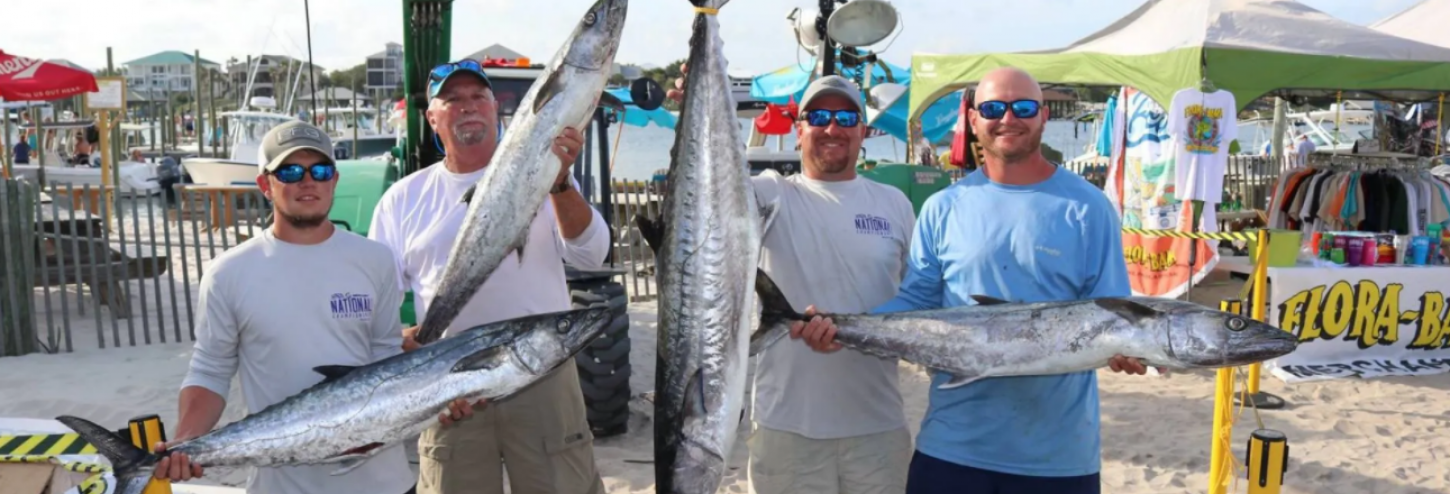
[
  {"x": 1426, "y": 22},
  {"x": 1282, "y": 26}
]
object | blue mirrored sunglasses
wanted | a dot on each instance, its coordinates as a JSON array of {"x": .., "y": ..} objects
[
  {"x": 291, "y": 173},
  {"x": 441, "y": 73},
  {"x": 1022, "y": 108},
  {"x": 822, "y": 118}
]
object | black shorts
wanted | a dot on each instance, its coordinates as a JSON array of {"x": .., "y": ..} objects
[{"x": 928, "y": 475}]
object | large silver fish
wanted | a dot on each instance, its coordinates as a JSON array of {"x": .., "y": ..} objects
[
  {"x": 517, "y": 179},
  {"x": 996, "y": 338},
  {"x": 707, "y": 244},
  {"x": 357, "y": 412}
]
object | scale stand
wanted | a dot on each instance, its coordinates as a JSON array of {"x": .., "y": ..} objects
[{"x": 1261, "y": 400}]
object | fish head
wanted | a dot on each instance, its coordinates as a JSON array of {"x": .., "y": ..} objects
[
  {"x": 596, "y": 38},
  {"x": 1200, "y": 337},
  {"x": 579, "y": 327}
]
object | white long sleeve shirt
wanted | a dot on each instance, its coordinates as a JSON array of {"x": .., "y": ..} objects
[
  {"x": 418, "y": 219},
  {"x": 272, "y": 311}
]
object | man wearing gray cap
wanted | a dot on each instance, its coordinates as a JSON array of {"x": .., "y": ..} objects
[
  {"x": 269, "y": 310},
  {"x": 830, "y": 423}
]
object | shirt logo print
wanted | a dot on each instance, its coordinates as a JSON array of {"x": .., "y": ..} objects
[
  {"x": 872, "y": 225},
  {"x": 351, "y": 306}
]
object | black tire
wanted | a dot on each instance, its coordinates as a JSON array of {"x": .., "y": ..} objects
[{"x": 604, "y": 369}]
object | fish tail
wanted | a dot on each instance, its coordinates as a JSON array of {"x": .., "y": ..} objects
[
  {"x": 127, "y": 461},
  {"x": 775, "y": 313}
]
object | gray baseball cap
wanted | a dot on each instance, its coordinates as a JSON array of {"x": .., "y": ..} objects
[
  {"x": 283, "y": 140},
  {"x": 832, "y": 84}
]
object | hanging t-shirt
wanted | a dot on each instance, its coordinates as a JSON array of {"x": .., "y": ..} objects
[{"x": 1202, "y": 126}]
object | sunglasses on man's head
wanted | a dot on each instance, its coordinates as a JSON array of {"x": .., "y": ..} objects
[
  {"x": 292, "y": 173},
  {"x": 822, "y": 118},
  {"x": 1022, "y": 108},
  {"x": 441, "y": 72}
]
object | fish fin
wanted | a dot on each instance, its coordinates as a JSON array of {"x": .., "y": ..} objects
[
  {"x": 333, "y": 372},
  {"x": 652, "y": 231},
  {"x": 125, "y": 458},
  {"x": 480, "y": 360},
  {"x": 694, "y": 402},
  {"x": 775, "y": 309},
  {"x": 767, "y": 215},
  {"x": 349, "y": 465},
  {"x": 468, "y": 194},
  {"x": 1127, "y": 309},
  {"x": 547, "y": 91},
  {"x": 985, "y": 300},
  {"x": 519, "y": 251},
  {"x": 958, "y": 381}
]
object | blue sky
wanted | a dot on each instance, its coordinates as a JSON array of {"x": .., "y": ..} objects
[{"x": 756, "y": 34}]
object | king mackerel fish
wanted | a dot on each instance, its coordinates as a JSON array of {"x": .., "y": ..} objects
[
  {"x": 517, "y": 179},
  {"x": 995, "y": 338},
  {"x": 356, "y": 412},
  {"x": 707, "y": 243}
]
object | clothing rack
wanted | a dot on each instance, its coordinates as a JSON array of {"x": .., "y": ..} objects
[{"x": 1360, "y": 193}]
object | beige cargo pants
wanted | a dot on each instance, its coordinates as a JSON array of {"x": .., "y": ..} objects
[{"x": 541, "y": 435}]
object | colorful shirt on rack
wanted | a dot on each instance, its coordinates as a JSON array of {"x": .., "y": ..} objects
[{"x": 1202, "y": 125}]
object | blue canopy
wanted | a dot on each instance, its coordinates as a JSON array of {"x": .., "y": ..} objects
[
  {"x": 634, "y": 115},
  {"x": 785, "y": 83}
]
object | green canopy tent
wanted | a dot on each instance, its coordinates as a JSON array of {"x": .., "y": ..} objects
[{"x": 1252, "y": 48}]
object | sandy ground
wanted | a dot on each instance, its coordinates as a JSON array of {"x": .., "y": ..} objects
[{"x": 1348, "y": 436}]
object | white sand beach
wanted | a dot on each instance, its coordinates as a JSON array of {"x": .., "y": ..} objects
[{"x": 1347, "y": 436}]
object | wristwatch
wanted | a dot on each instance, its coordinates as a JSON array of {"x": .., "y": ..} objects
[{"x": 562, "y": 186}]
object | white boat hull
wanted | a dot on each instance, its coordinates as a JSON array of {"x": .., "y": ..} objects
[
  {"x": 135, "y": 178},
  {"x": 213, "y": 171}
]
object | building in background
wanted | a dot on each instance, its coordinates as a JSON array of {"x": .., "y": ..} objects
[
  {"x": 385, "y": 71},
  {"x": 275, "y": 75},
  {"x": 166, "y": 72}
]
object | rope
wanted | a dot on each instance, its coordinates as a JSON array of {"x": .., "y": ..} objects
[{"x": 707, "y": 11}]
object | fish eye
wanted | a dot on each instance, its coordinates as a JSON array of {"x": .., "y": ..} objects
[
  {"x": 1236, "y": 324},
  {"x": 563, "y": 326},
  {"x": 590, "y": 18}
]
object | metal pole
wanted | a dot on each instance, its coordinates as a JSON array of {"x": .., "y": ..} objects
[
  {"x": 828, "y": 49},
  {"x": 198, "y": 123},
  {"x": 1280, "y": 127},
  {"x": 355, "y": 120},
  {"x": 307, "y": 15}
]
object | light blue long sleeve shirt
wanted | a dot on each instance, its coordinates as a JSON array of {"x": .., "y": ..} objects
[{"x": 1058, "y": 239}]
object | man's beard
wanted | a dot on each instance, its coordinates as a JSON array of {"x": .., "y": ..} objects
[
  {"x": 828, "y": 165},
  {"x": 469, "y": 137},
  {"x": 304, "y": 222},
  {"x": 1015, "y": 155}
]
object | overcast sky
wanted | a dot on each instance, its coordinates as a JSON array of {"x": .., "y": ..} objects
[{"x": 344, "y": 32}]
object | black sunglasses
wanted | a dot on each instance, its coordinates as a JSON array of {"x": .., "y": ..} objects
[
  {"x": 292, "y": 173},
  {"x": 822, "y": 118},
  {"x": 1022, "y": 108}
]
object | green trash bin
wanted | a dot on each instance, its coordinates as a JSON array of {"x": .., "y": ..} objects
[{"x": 916, "y": 181}]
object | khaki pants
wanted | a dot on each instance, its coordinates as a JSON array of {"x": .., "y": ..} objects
[
  {"x": 542, "y": 434},
  {"x": 786, "y": 463}
]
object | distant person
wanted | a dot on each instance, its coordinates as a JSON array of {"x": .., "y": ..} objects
[
  {"x": 22, "y": 150},
  {"x": 1304, "y": 147},
  {"x": 268, "y": 311},
  {"x": 82, "y": 150}
]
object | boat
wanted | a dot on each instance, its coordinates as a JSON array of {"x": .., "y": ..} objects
[
  {"x": 60, "y": 170},
  {"x": 245, "y": 129}
]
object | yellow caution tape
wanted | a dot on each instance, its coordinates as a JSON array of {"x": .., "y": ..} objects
[
  {"x": 45, "y": 445},
  {"x": 1241, "y": 236}
]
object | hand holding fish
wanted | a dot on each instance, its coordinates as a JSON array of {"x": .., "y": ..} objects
[
  {"x": 459, "y": 409},
  {"x": 567, "y": 147},
  {"x": 820, "y": 333},
  {"x": 1130, "y": 365},
  {"x": 176, "y": 467},
  {"x": 678, "y": 93}
]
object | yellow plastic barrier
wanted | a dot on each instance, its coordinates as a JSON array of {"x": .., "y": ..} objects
[
  {"x": 146, "y": 431},
  {"x": 1266, "y": 460}
]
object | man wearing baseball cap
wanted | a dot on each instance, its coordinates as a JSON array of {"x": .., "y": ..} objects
[
  {"x": 269, "y": 310},
  {"x": 830, "y": 423},
  {"x": 542, "y": 434}
]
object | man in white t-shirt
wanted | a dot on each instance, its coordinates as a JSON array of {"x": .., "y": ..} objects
[
  {"x": 542, "y": 434},
  {"x": 841, "y": 240},
  {"x": 268, "y": 310}
]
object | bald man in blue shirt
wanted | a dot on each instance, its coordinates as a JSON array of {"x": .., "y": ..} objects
[{"x": 1025, "y": 230}]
